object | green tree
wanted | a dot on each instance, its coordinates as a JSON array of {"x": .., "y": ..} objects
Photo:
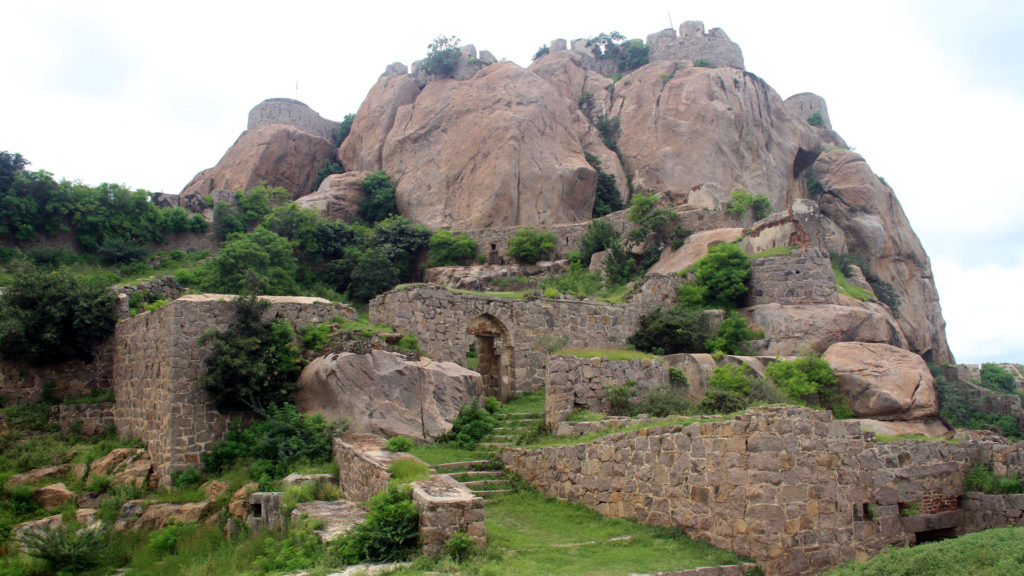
[
  {"x": 443, "y": 57},
  {"x": 447, "y": 249},
  {"x": 619, "y": 265},
  {"x": 996, "y": 377},
  {"x": 530, "y": 245},
  {"x": 51, "y": 316},
  {"x": 807, "y": 376},
  {"x": 600, "y": 235},
  {"x": 671, "y": 331},
  {"x": 374, "y": 272},
  {"x": 260, "y": 261},
  {"x": 402, "y": 241},
  {"x": 724, "y": 272},
  {"x": 652, "y": 221},
  {"x": 253, "y": 364},
  {"x": 742, "y": 201},
  {"x": 732, "y": 335},
  {"x": 380, "y": 197},
  {"x": 606, "y": 197}
]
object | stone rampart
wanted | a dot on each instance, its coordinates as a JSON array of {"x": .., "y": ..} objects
[
  {"x": 22, "y": 383},
  {"x": 803, "y": 277},
  {"x": 694, "y": 44},
  {"x": 440, "y": 320},
  {"x": 363, "y": 462},
  {"x": 85, "y": 419},
  {"x": 157, "y": 364},
  {"x": 787, "y": 486},
  {"x": 292, "y": 113}
]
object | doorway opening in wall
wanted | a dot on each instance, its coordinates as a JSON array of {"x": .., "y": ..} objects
[{"x": 495, "y": 356}]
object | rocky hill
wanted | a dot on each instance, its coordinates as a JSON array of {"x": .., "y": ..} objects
[{"x": 496, "y": 145}]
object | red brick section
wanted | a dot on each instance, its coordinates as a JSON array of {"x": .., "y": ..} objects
[{"x": 934, "y": 502}]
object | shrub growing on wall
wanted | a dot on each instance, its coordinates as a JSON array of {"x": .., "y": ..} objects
[
  {"x": 724, "y": 272},
  {"x": 677, "y": 329},
  {"x": 447, "y": 249},
  {"x": 529, "y": 245},
  {"x": 50, "y": 316},
  {"x": 380, "y": 197}
]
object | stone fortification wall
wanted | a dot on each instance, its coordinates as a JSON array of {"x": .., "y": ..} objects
[
  {"x": 363, "y": 461},
  {"x": 157, "y": 364},
  {"x": 447, "y": 507},
  {"x": 167, "y": 287},
  {"x": 787, "y": 486},
  {"x": 803, "y": 277},
  {"x": 293, "y": 113},
  {"x": 440, "y": 318},
  {"x": 85, "y": 419},
  {"x": 22, "y": 383}
]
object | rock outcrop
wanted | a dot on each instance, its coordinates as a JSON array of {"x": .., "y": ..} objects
[
  {"x": 338, "y": 196},
  {"x": 788, "y": 329},
  {"x": 275, "y": 155},
  {"x": 683, "y": 126},
  {"x": 383, "y": 392},
  {"x": 883, "y": 382},
  {"x": 877, "y": 230}
]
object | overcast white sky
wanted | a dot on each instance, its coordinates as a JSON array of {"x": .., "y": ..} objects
[{"x": 931, "y": 93}]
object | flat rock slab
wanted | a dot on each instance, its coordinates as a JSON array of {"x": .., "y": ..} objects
[{"x": 336, "y": 517}]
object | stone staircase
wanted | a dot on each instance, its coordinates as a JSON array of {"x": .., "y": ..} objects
[
  {"x": 510, "y": 427},
  {"x": 485, "y": 478}
]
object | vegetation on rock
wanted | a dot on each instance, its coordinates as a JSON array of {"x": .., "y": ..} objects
[
  {"x": 530, "y": 245},
  {"x": 447, "y": 249},
  {"x": 443, "y": 57}
]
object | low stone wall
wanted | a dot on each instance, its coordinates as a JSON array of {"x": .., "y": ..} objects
[
  {"x": 787, "y": 486},
  {"x": 22, "y": 383},
  {"x": 363, "y": 462},
  {"x": 986, "y": 511},
  {"x": 167, "y": 287},
  {"x": 85, "y": 419},
  {"x": 803, "y": 277},
  {"x": 447, "y": 507},
  {"x": 157, "y": 364},
  {"x": 440, "y": 320}
]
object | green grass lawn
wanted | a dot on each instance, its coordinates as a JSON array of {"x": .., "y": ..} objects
[
  {"x": 609, "y": 353},
  {"x": 529, "y": 534},
  {"x": 441, "y": 453},
  {"x": 525, "y": 402}
]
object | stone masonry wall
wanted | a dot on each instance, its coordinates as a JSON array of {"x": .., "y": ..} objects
[
  {"x": 293, "y": 113},
  {"x": 447, "y": 507},
  {"x": 803, "y": 277},
  {"x": 577, "y": 383},
  {"x": 360, "y": 476},
  {"x": 22, "y": 383},
  {"x": 157, "y": 364},
  {"x": 787, "y": 486},
  {"x": 85, "y": 419},
  {"x": 439, "y": 319}
]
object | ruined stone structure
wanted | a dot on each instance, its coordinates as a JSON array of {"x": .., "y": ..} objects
[
  {"x": 292, "y": 113},
  {"x": 363, "y": 461},
  {"x": 156, "y": 367},
  {"x": 85, "y": 419},
  {"x": 787, "y": 486},
  {"x": 22, "y": 383},
  {"x": 447, "y": 323},
  {"x": 447, "y": 507},
  {"x": 803, "y": 277}
]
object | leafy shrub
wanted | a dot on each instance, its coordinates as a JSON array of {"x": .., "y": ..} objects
[
  {"x": 981, "y": 478},
  {"x": 380, "y": 197},
  {"x": 619, "y": 265},
  {"x": 459, "y": 546},
  {"x": 652, "y": 221},
  {"x": 677, "y": 329},
  {"x": 390, "y": 532},
  {"x": 294, "y": 550},
  {"x": 492, "y": 405},
  {"x": 470, "y": 427},
  {"x": 996, "y": 377},
  {"x": 721, "y": 402},
  {"x": 814, "y": 185},
  {"x": 164, "y": 542},
  {"x": 375, "y": 273},
  {"x": 65, "y": 549},
  {"x": 187, "y": 477},
  {"x": 606, "y": 198},
  {"x": 743, "y": 201},
  {"x": 541, "y": 51},
  {"x": 343, "y": 129},
  {"x": 805, "y": 378},
  {"x": 328, "y": 168},
  {"x": 732, "y": 335},
  {"x": 702, "y": 63},
  {"x": 315, "y": 336},
  {"x": 116, "y": 251},
  {"x": 600, "y": 235},
  {"x": 608, "y": 128},
  {"x": 48, "y": 317},
  {"x": 399, "y": 444},
  {"x": 816, "y": 119},
  {"x": 733, "y": 378},
  {"x": 634, "y": 55},
  {"x": 252, "y": 364},
  {"x": 663, "y": 401},
  {"x": 724, "y": 273},
  {"x": 283, "y": 438},
  {"x": 677, "y": 378},
  {"x": 260, "y": 261},
  {"x": 447, "y": 249},
  {"x": 679, "y": 236},
  {"x": 409, "y": 344},
  {"x": 620, "y": 397},
  {"x": 443, "y": 58},
  {"x": 887, "y": 295},
  {"x": 530, "y": 245}
]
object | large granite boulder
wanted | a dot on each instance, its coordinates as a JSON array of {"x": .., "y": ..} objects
[
  {"x": 277, "y": 155},
  {"x": 684, "y": 126},
  {"x": 338, "y": 196},
  {"x": 696, "y": 247},
  {"x": 883, "y": 382},
  {"x": 384, "y": 392},
  {"x": 788, "y": 329},
  {"x": 878, "y": 231},
  {"x": 361, "y": 150}
]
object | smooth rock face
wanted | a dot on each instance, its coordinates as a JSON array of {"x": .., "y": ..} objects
[
  {"x": 52, "y": 496},
  {"x": 160, "y": 515},
  {"x": 383, "y": 392},
  {"x": 683, "y": 127},
  {"x": 789, "y": 328},
  {"x": 877, "y": 229},
  {"x": 361, "y": 150},
  {"x": 883, "y": 382},
  {"x": 695, "y": 248},
  {"x": 933, "y": 427},
  {"x": 277, "y": 155},
  {"x": 338, "y": 196}
]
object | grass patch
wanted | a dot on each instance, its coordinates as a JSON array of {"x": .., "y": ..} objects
[
  {"x": 529, "y": 534},
  {"x": 914, "y": 438},
  {"x": 776, "y": 251},
  {"x": 442, "y": 453},
  {"x": 406, "y": 470},
  {"x": 995, "y": 552},
  {"x": 609, "y": 353},
  {"x": 584, "y": 415},
  {"x": 508, "y": 295},
  {"x": 846, "y": 287},
  {"x": 532, "y": 402},
  {"x": 362, "y": 326},
  {"x": 549, "y": 440},
  {"x": 180, "y": 495}
]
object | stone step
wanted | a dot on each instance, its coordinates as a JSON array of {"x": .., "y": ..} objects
[
  {"x": 486, "y": 493},
  {"x": 463, "y": 465},
  {"x": 478, "y": 473},
  {"x": 496, "y": 445},
  {"x": 500, "y": 437},
  {"x": 485, "y": 484},
  {"x": 521, "y": 416}
]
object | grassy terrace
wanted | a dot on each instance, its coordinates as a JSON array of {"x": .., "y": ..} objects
[{"x": 609, "y": 353}]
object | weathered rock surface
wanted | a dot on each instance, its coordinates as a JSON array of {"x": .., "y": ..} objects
[
  {"x": 361, "y": 150},
  {"x": 695, "y": 248},
  {"x": 53, "y": 496},
  {"x": 335, "y": 518},
  {"x": 480, "y": 277},
  {"x": 385, "y": 393},
  {"x": 883, "y": 382},
  {"x": 161, "y": 514},
  {"x": 277, "y": 155},
  {"x": 878, "y": 231},
  {"x": 338, "y": 196},
  {"x": 111, "y": 461},
  {"x": 789, "y": 328},
  {"x": 47, "y": 473},
  {"x": 717, "y": 125},
  {"x": 933, "y": 427}
]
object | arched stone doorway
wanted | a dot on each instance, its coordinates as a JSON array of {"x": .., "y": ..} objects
[{"x": 497, "y": 356}]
